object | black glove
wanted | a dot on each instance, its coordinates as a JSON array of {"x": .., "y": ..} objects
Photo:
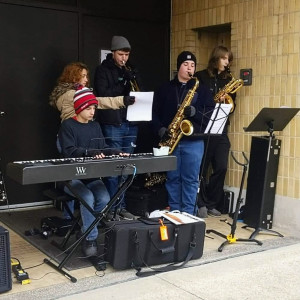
[
  {"x": 163, "y": 134},
  {"x": 129, "y": 75},
  {"x": 128, "y": 100},
  {"x": 189, "y": 111}
]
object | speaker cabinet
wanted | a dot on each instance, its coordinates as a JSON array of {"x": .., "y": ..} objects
[
  {"x": 262, "y": 179},
  {"x": 5, "y": 264}
]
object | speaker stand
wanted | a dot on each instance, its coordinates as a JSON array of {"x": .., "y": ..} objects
[{"x": 230, "y": 239}]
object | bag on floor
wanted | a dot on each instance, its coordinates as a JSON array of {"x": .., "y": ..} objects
[{"x": 138, "y": 243}]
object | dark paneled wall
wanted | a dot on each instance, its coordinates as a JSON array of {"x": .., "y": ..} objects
[{"x": 38, "y": 38}]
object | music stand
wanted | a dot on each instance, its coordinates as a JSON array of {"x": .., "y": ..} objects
[{"x": 270, "y": 119}]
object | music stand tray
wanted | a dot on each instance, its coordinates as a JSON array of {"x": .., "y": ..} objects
[{"x": 274, "y": 119}]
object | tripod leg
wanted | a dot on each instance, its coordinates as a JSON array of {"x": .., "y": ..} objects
[
  {"x": 217, "y": 233},
  {"x": 257, "y": 230},
  {"x": 220, "y": 249},
  {"x": 250, "y": 240}
]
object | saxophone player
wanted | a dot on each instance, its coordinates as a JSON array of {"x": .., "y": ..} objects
[
  {"x": 116, "y": 77},
  {"x": 182, "y": 183},
  {"x": 215, "y": 77}
]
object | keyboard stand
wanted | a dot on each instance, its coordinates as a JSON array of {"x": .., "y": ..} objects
[{"x": 98, "y": 217}]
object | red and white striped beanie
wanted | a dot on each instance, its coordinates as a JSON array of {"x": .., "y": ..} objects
[{"x": 84, "y": 98}]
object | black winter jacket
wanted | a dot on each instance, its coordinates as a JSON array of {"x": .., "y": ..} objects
[
  {"x": 167, "y": 100},
  {"x": 109, "y": 81}
]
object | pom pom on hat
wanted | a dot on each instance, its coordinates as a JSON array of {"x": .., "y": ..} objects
[
  {"x": 119, "y": 42},
  {"x": 84, "y": 98},
  {"x": 185, "y": 55}
]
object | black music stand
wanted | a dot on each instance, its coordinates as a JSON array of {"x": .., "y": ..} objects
[{"x": 270, "y": 120}]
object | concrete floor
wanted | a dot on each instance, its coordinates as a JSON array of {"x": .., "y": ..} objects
[
  {"x": 240, "y": 271},
  {"x": 271, "y": 274}
]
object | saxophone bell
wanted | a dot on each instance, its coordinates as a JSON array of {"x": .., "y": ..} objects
[{"x": 186, "y": 127}]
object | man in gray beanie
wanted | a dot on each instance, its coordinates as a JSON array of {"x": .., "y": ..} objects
[
  {"x": 115, "y": 76},
  {"x": 120, "y": 43}
]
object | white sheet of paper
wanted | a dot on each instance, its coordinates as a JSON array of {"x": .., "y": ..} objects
[
  {"x": 141, "y": 110},
  {"x": 217, "y": 122}
]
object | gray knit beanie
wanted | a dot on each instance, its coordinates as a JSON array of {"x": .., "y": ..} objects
[{"x": 119, "y": 42}]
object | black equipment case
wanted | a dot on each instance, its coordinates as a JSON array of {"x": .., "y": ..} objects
[
  {"x": 137, "y": 243},
  {"x": 142, "y": 201}
]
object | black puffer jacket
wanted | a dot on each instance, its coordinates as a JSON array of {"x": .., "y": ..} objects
[{"x": 109, "y": 81}]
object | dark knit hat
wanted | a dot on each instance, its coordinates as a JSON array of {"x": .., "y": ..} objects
[
  {"x": 84, "y": 98},
  {"x": 119, "y": 42},
  {"x": 185, "y": 55}
]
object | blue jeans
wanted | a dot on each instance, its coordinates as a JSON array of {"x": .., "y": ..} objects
[
  {"x": 182, "y": 184},
  {"x": 121, "y": 137},
  {"x": 96, "y": 196}
]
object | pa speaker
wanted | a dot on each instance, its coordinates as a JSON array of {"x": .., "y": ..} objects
[
  {"x": 262, "y": 180},
  {"x": 5, "y": 264}
]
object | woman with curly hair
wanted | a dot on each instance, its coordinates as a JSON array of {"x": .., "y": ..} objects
[{"x": 74, "y": 75}]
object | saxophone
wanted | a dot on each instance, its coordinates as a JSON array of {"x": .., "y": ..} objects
[
  {"x": 179, "y": 126},
  {"x": 230, "y": 87},
  {"x": 133, "y": 84}
]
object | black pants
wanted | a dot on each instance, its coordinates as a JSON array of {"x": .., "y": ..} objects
[{"x": 217, "y": 157}]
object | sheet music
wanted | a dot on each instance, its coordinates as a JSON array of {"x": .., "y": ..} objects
[
  {"x": 141, "y": 110},
  {"x": 218, "y": 118}
]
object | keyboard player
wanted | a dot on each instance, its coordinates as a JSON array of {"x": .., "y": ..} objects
[{"x": 80, "y": 136}]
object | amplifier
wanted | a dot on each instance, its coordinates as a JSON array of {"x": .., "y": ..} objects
[{"x": 5, "y": 264}]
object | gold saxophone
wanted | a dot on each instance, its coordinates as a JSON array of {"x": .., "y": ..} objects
[
  {"x": 179, "y": 126},
  {"x": 133, "y": 84},
  {"x": 230, "y": 87}
]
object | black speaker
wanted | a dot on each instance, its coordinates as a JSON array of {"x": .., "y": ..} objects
[
  {"x": 5, "y": 264},
  {"x": 262, "y": 179}
]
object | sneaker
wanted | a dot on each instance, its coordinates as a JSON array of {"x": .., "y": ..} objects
[
  {"x": 89, "y": 248},
  {"x": 110, "y": 216},
  {"x": 202, "y": 212},
  {"x": 127, "y": 215},
  {"x": 213, "y": 212}
]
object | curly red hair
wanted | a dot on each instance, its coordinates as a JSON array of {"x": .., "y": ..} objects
[{"x": 72, "y": 73}]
